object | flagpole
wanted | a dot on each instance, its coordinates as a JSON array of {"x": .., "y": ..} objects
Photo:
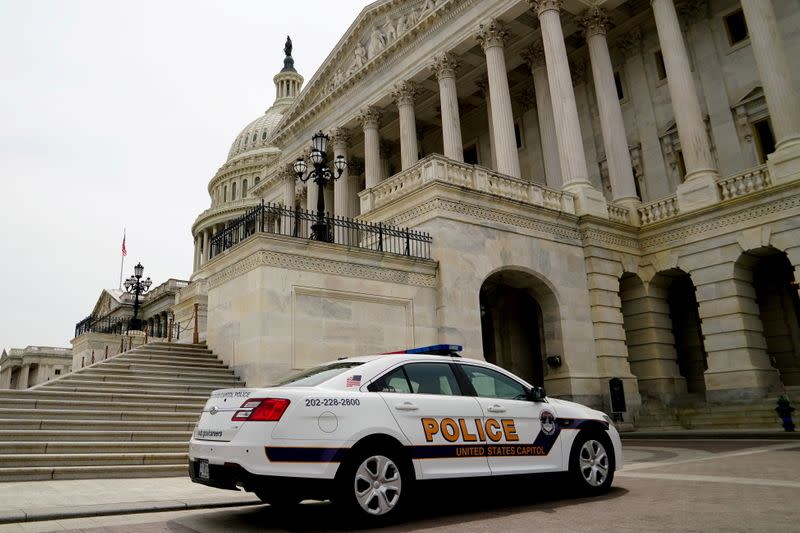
[{"x": 122, "y": 262}]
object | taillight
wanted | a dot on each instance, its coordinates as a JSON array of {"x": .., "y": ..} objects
[{"x": 261, "y": 409}]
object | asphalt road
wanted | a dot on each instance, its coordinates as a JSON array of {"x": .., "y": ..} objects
[{"x": 712, "y": 485}]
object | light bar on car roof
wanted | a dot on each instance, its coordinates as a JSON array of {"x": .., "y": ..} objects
[{"x": 436, "y": 349}]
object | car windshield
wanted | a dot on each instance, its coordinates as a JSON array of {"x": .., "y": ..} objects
[{"x": 318, "y": 374}]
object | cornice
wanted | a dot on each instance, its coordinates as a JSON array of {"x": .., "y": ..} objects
[{"x": 225, "y": 209}]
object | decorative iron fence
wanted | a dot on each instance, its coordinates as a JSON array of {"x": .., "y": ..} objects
[
  {"x": 94, "y": 324},
  {"x": 279, "y": 220}
]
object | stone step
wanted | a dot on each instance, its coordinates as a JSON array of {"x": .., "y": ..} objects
[
  {"x": 18, "y": 460},
  {"x": 165, "y": 359},
  {"x": 193, "y": 354},
  {"x": 29, "y": 447},
  {"x": 174, "y": 346},
  {"x": 98, "y": 414},
  {"x": 92, "y": 472},
  {"x": 49, "y": 435},
  {"x": 135, "y": 395},
  {"x": 102, "y": 374},
  {"x": 97, "y": 425},
  {"x": 164, "y": 369},
  {"x": 86, "y": 385},
  {"x": 24, "y": 403}
]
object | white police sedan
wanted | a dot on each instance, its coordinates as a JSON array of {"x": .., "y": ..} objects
[{"x": 362, "y": 431}]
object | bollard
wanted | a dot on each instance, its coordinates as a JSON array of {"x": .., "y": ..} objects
[
  {"x": 784, "y": 411},
  {"x": 196, "y": 334}
]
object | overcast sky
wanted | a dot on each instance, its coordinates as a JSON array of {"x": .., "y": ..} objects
[{"x": 116, "y": 115}]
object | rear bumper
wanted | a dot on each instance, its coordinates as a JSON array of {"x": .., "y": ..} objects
[{"x": 231, "y": 476}]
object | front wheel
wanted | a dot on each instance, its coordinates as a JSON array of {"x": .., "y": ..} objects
[
  {"x": 591, "y": 463},
  {"x": 374, "y": 485}
]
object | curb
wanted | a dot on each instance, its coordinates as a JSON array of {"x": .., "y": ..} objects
[
  {"x": 10, "y": 516},
  {"x": 706, "y": 434}
]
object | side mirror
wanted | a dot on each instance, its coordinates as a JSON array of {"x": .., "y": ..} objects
[{"x": 537, "y": 394}]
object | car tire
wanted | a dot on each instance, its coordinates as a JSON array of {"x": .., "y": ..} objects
[
  {"x": 374, "y": 485},
  {"x": 591, "y": 463}
]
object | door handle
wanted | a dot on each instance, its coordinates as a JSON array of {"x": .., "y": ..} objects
[
  {"x": 496, "y": 409},
  {"x": 406, "y": 406}
]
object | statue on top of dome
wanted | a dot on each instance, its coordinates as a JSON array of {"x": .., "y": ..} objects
[{"x": 288, "y": 61}]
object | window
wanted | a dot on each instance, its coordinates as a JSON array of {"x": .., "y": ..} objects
[
  {"x": 58, "y": 372},
  {"x": 736, "y": 27},
  {"x": 233, "y": 191},
  {"x": 471, "y": 154},
  {"x": 518, "y": 135},
  {"x": 244, "y": 188},
  {"x": 319, "y": 374},
  {"x": 765, "y": 140},
  {"x": 432, "y": 378},
  {"x": 394, "y": 381},
  {"x": 225, "y": 194},
  {"x": 258, "y": 180},
  {"x": 661, "y": 68},
  {"x": 264, "y": 135},
  {"x": 618, "y": 85},
  {"x": 492, "y": 384},
  {"x": 255, "y": 136}
]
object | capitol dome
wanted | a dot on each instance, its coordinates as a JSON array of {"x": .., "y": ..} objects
[{"x": 256, "y": 135}]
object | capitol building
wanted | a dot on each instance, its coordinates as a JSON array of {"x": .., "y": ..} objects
[{"x": 591, "y": 194}]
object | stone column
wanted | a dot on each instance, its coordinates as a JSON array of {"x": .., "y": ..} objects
[
  {"x": 655, "y": 170},
  {"x": 483, "y": 85},
  {"x": 340, "y": 140},
  {"x": 779, "y": 91},
  {"x": 534, "y": 56},
  {"x": 206, "y": 246},
  {"x": 289, "y": 184},
  {"x": 492, "y": 37},
  {"x": 197, "y": 253},
  {"x": 5, "y": 378},
  {"x": 615, "y": 140},
  {"x": 24, "y": 373},
  {"x": 312, "y": 191},
  {"x": 444, "y": 66},
  {"x": 370, "y": 118},
  {"x": 403, "y": 94},
  {"x": 575, "y": 175},
  {"x": 699, "y": 188}
]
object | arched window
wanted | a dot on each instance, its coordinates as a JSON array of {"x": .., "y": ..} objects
[
  {"x": 225, "y": 194},
  {"x": 244, "y": 188},
  {"x": 233, "y": 191},
  {"x": 264, "y": 135},
  {"x": 255, "y": 136},
  {"x": 258, "y": 180}
]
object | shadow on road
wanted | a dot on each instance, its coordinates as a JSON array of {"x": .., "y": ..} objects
[{"x": 438, "y": 504}]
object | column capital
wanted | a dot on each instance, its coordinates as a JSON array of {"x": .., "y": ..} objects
[
  {"x": 595, "y": 21},
  {"x": 340, "y": 137},
  {"x": 404, "y": 93},
  {"x": 369, "y": 117},
  {"x": 444, "y": 65},
  {"x": 492, "y": 33},
  {"x": 534, "y": 55},
  {"x": 540, "y": 6},
  {"x": 630, "y": 44},
  {"x": 286, "y": 171}
]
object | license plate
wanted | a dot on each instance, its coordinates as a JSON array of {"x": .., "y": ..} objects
[{"x": 202, "y": 469}]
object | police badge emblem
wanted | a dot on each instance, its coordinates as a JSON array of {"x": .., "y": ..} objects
[{"x": 548, "y": 421}]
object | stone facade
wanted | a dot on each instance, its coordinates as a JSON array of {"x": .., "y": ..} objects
[
  {"x": 21, "y": 368},
  {"x": 611, "y": 192}
]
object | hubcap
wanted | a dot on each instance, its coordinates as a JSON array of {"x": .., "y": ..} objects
[
  {"x": 593, "y": 462},
  {"x": 377, "y": 485}
]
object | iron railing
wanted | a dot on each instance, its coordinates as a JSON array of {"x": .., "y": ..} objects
[
  {"x": 110, "y": 324},
  {"x": 300, "y": 223}
]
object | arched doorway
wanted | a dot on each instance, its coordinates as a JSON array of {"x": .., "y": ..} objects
[
  {"x": 686, "y": 329},
  {"x": 518, "y": 320},
  {"x": 779, "y": 309}
]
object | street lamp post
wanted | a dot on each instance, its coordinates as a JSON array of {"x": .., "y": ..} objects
[
  {"x": 134, "y": 285},
  {"x": 321, "y": 175}
]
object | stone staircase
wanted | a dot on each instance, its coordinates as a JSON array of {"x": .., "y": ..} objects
[
  {"x": 758, "y": 415},
  {"x": 131, "y": 415}
]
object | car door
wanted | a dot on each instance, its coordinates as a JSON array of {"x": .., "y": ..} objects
[
  {"x": 522, "y": 434},
  {"x": 427, "y": 402}
]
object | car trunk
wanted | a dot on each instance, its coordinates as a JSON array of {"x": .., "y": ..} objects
[{"x": 215, "y": 423}]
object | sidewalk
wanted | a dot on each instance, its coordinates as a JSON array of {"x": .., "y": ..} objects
[{"x": 29, "y": 501}]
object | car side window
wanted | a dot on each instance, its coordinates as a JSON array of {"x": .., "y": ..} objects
[
  {"x": 489, "y": 383},
  {"x": 394, "y": 381},
  {"x": 432, "y": 378}
]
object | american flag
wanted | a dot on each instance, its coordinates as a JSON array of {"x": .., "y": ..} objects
[
  {"x": 354, "y": 381},
  {"x": 124, "y": 250}
]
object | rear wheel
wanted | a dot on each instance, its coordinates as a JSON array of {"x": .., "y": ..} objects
[
  {"x": 374, "y": 484},
  {"x": 591, "y": 463}
]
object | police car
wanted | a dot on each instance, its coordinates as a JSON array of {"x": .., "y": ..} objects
[{"x": 362, "y": 431}]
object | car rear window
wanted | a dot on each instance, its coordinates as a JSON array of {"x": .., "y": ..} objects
[{"x": 315, "y": 376}]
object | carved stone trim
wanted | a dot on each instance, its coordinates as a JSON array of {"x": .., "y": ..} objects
[
  {"x": 534, "y": 55},
  {"x": 340, "y": 137},
  {"x": 324, "y": 266},
  {"x": 492, "y": 33},
  {"x": 445, "y": 65},
  {"x": 540, "y": 6},
  {"x": 404, "y": 93},
  {"x": 595, "y": 21},
  {"x": 369, "y": 117}
]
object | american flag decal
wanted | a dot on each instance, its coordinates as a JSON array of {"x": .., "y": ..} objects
[{"x": 354, "y": 381}]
